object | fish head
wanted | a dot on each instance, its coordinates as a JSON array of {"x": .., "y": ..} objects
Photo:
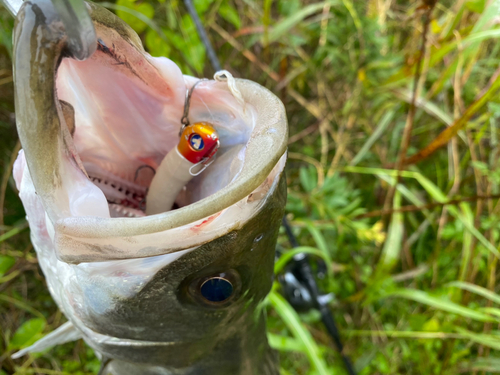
[{"x": 189, "y": 282}]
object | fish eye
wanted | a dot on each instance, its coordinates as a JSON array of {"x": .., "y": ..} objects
[{"x": 216, "y": 289}]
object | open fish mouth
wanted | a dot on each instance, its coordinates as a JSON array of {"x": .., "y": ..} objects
[
  {"x": 127, "y": 110},
  {"x": 120, "y": 110}
]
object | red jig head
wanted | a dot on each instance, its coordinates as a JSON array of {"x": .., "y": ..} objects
[{"x": 199, "y": 143}]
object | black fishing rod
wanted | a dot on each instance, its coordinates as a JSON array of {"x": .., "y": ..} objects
[
  {"x": 299, "y": 284},
  {"x": 302, "y": 292}
]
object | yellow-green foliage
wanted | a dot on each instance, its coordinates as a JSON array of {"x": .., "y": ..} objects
[{"x": 410, "y": 256}]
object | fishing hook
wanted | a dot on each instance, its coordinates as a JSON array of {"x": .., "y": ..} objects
[
  {"x": 136, "y": 175},
  {"x": 187, "y": 104}
]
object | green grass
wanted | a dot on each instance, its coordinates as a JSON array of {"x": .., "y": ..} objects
[{"x": 412, "y": 255}]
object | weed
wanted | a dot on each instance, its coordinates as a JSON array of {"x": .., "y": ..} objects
[{"x": 414, "y": 273}]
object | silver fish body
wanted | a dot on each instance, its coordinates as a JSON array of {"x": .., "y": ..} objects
[{"x": 175, "y": 293}]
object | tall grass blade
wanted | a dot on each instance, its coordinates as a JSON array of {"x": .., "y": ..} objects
[
  {"x": 479, "y": 290},
  {"x": 285, "y": 25},
  {"x": 285, "y": 343},
  {"x": 382, "y": 126},
  {"x": 394, "y": 241},
  {"x": 441, "y": 304},
  {"x": 320, "y": 241},
  {"x": 426, "y": 105},
  {"x": 490, "y": 364},
  {"x": 11, "y": 233},
  {"x": 446, "y": 135},
  {"x": 491, "y": 341},
  {"x": 292, "y": 321},
  {"x": 288, "y": 256}
]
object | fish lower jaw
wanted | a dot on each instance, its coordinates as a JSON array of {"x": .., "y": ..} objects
[{"x": 117, "y": 210}]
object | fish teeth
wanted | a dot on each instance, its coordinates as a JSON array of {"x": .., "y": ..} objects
[
  {"x": 118, "y": 193},
  {"x": 117, "y": 210}
]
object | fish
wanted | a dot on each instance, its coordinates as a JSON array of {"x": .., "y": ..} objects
[{"x": 179, "y": 292}]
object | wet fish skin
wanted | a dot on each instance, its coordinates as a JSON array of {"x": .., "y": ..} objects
[{"x": 204, "y": 338}]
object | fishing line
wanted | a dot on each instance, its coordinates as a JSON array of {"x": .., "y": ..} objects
[
  {"x": 203, "y": 35},
  {"x": 187, "y": 104},
  {"x": 300, "y": 261}
]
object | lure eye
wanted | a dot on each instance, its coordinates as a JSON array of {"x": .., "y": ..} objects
[
  {"x": 216, "y": 289},
  {"x": 196, "y": 142}
]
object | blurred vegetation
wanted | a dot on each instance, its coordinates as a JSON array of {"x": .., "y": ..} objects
[{"x": 410, "y": 243}]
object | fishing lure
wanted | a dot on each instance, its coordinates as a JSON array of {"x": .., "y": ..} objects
[{"x": 196, "y": 150}]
